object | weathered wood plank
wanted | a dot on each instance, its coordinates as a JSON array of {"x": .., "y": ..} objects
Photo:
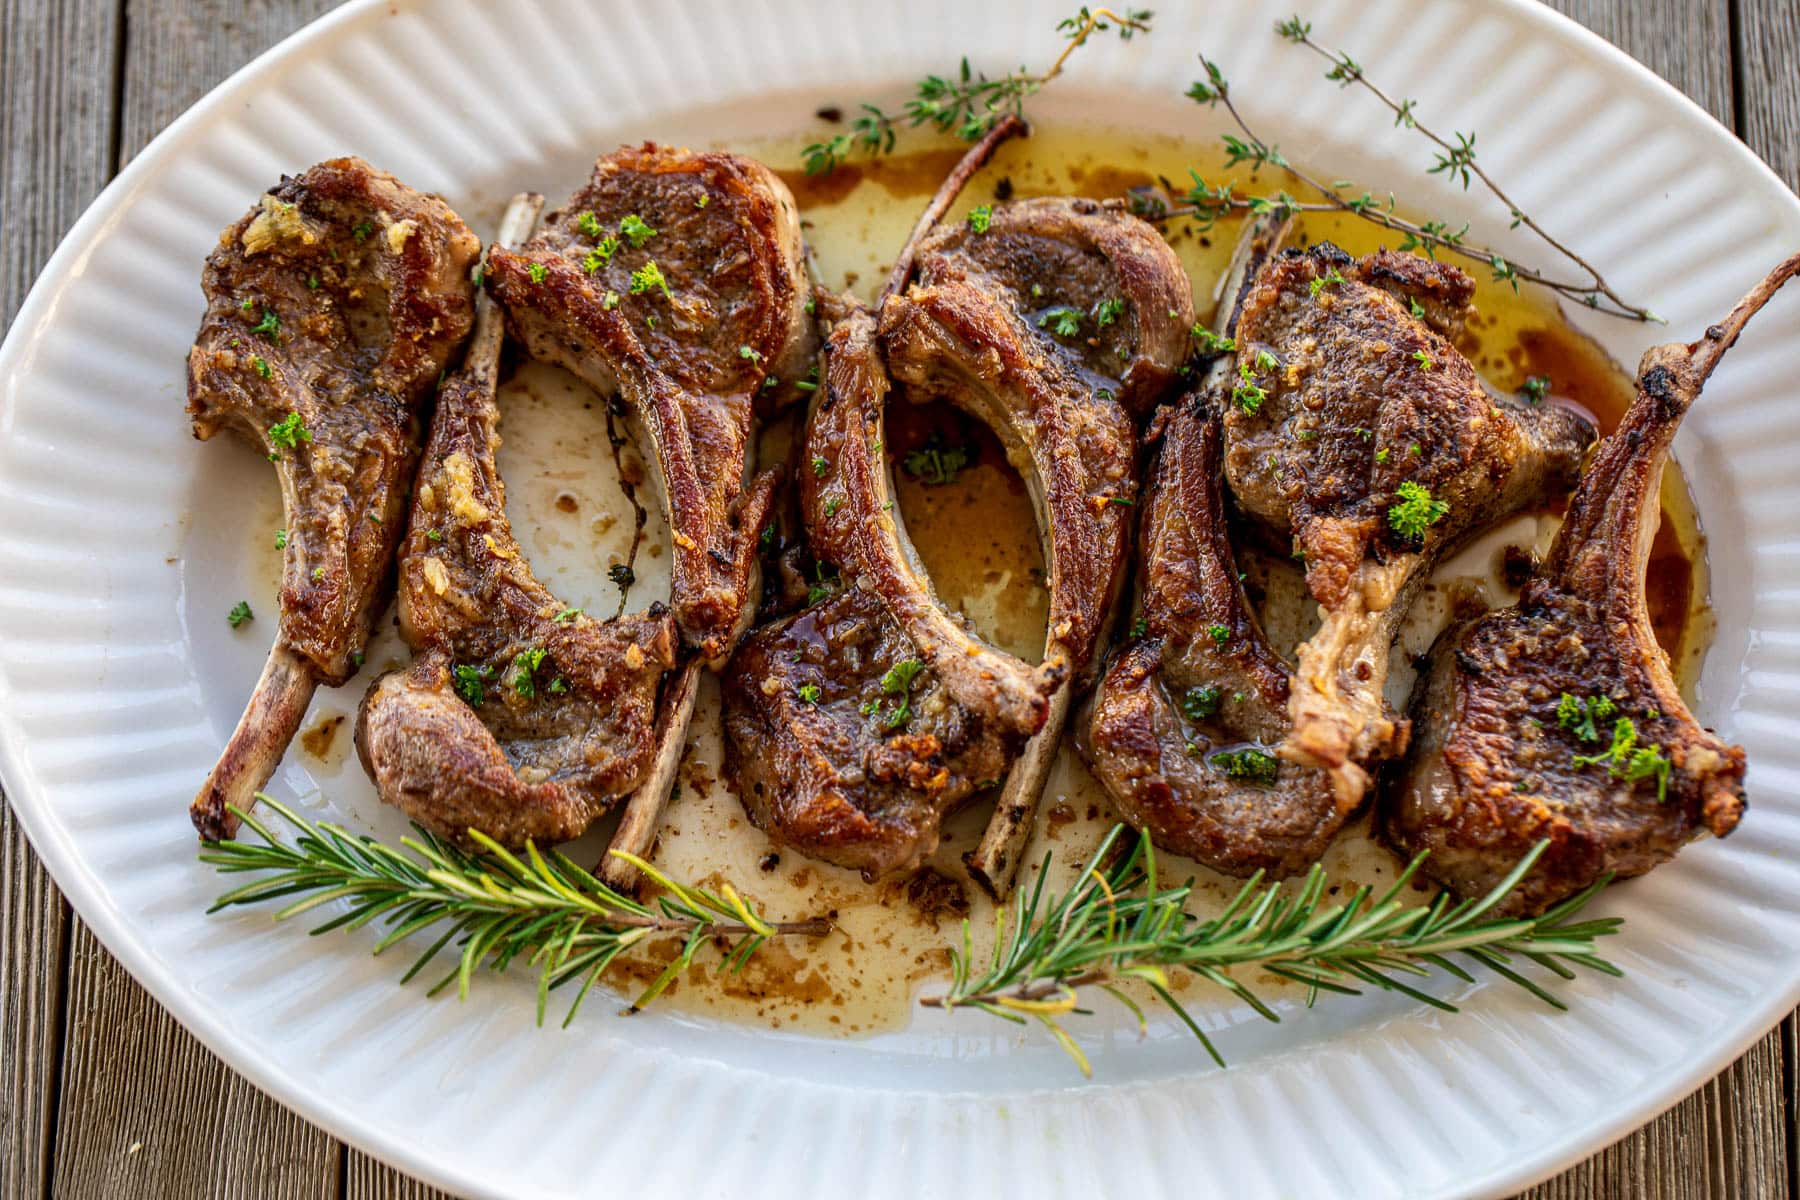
[
  {"x": 1768, "y": 46},
  {"x": 145, "y": 1109},
  {"x": 56, "y": 128}
]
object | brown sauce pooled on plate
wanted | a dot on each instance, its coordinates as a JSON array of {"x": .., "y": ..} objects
[{"x": 971, "y": 518}]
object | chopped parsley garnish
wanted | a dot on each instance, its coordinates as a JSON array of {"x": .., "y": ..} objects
[
  {"x": 1265, "y": 361},
  {"x": 809, "y": 693},
  {"x": 1418, "y": 310},
  {"x": 1627, "y": 760},
  {"x": 1381, "y": 455},
  {"x": 1250, "y": 765},
  {"x": 269, "y": 326},
  {"x": 524, "y": 664},
  {"x": 979, "y": 216},
  {"x": 468, "y": 683},
  {"x": 750, "y": 352},
  {"x": 820, "y": 466},
  {"x": 1199, "y": 703},
  {"x": 1423, "y": 359},
  {"x": 898, "y": 682},
  {"x": 650, "y": 276},
  {"x": 362, "y": 230},
  {"x": 566, "y": 615},
  {"x": 281, "y": 539},
  {"x": 1108, "y": 311},
  {"x": 537, "y": 271},
  {"x": 1328, "y": 279},
  {"x": 262, "y": 367},
  {"x": 703, "y": 201},
  {"x": 558, "y": 686},
  {"x": 1535, "y": 388},
  {"x": 1140, "y": 627},
  {"x": 590, "y": 226},
  {"x": 432, "y": 535},
  {"x": 1247, "y": 395},
  {"x": 1579, "y": 716},
  {"x": 600, "y": 255},
  {"x": 318, "y": 574},
  {"x": 1063, "y": 322},
  {"x": 240, "y": 612},
  {"x": 1210, "y": 342},
  {"x": 934, "y": 463},
  {"x": 1219, "y": 634},
  {"x": 1415, "y": 511},
  {"x": 635, "y": 230},
  {"x": 289, "y": 432}
]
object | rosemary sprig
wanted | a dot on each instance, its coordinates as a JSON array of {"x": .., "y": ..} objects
[
  {"x": 1455, "y": 159},
  {"x": 494, "y": 907},
  {"x": 967, "y": 103},
  {"x": 1118, "y": 924}
]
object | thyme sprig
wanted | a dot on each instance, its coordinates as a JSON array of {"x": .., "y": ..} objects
[
  {"x": 1118, "y": 924},
  {"x": 494, "y": 908},
  {"x": 1455, "y": 159},
  {"x": 967, "y": 103}
]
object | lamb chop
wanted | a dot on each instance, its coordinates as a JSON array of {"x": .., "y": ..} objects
[
  {"x": 519, "y": 716},
  {"x": 1183, "y": 722},
  {"x": 333, "y": 306},
  {"x": 1357, "y": 427},
  {"x": 1056, "y": 325},
  {"x": 1559, "y": 719},
  {"x": 676, "y": 281},
  {"x": 862, "y": 768}
]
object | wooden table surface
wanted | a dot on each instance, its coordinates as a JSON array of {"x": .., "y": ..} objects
[{"x": 103, "y": 1094}]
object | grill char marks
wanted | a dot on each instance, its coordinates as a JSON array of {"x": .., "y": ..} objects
[
  {"x": 333, "y": 307},
  {"x": 968, "y": 331},
  {"x": 1350, "y": 394},
  {"x": 518, "y": 717},
  {"x": 1202, "y": 679},
  {"x": 675, "y": 280},
  {"x": 1494, "y": 768}
]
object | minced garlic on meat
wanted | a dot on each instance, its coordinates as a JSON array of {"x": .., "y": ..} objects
[{"x": 278, "y": 221}]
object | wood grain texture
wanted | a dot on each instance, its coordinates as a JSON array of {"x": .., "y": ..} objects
[
  {"x": 57, "y": 83},
  {"x": 147, "y": 1111},
  {"x": 1768, "y": 54},
  {"x": 85, "y": 84}
]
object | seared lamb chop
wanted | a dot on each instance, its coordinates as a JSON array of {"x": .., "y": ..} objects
[
  {"x": 1357, "y": 427},
  {"x": 519, "y": 717},
  {"x": 1559, "y": 719},
  {"x": 332, "y": 308},
  {"x": 1055, "y": 325},
  {"x": 676, "y": 281},
  {"x": 1052, "y": 322},
  {"x": 1184, "y": 719},
  {"x": 843, "y": 745}
]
